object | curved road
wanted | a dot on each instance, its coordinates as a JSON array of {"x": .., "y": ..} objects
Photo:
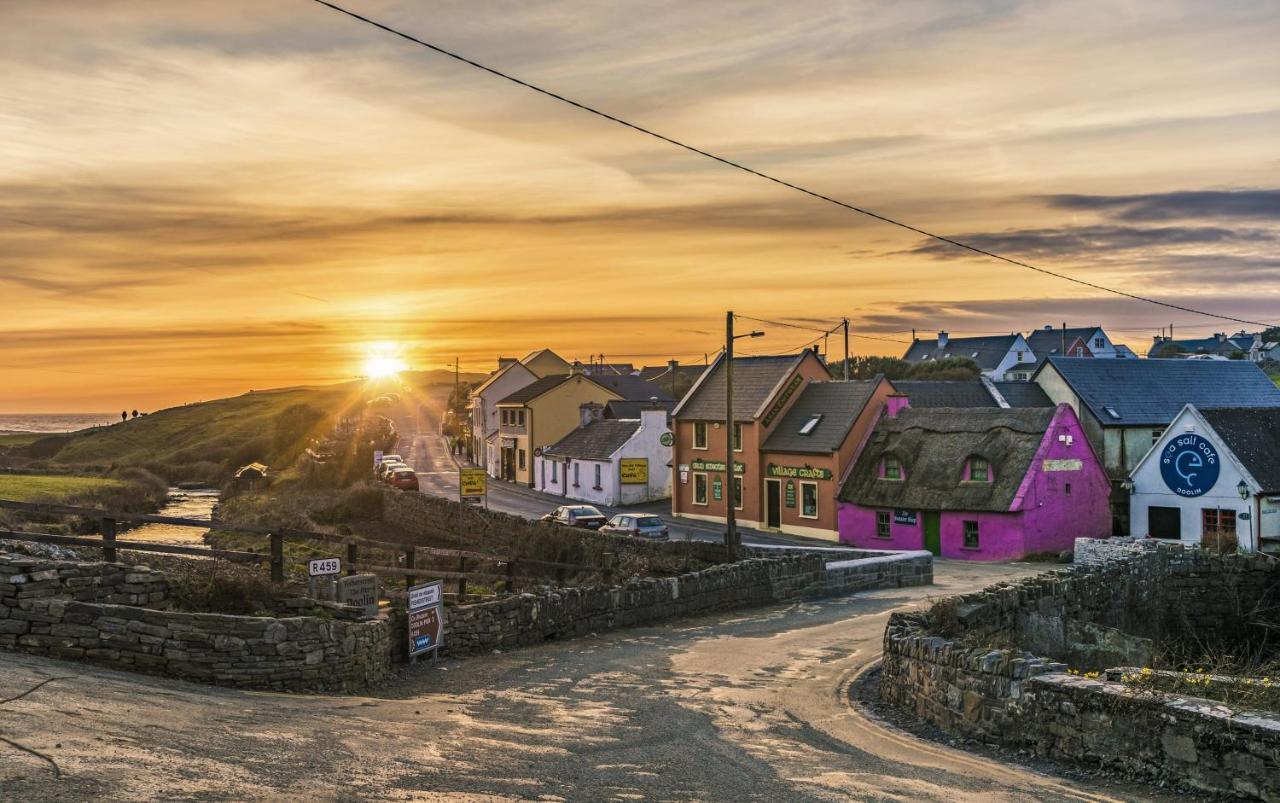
[{"x": 743, "y": 706}]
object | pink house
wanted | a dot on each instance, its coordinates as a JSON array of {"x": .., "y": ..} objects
[{"x": 975, "y": 483}]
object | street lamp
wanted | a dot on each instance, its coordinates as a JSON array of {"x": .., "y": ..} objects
[
  {"x": 731, "y": 518},
  {"x": 1242, "y": 488}
]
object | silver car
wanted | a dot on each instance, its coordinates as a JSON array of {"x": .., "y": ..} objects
[{"x": 641, "y": 525}]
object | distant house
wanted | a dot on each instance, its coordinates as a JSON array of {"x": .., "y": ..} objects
[
  {"x": 1220, "y": 345},
  {"x": 251, "y": 476},
  {"x": 1214, "y": 472},
  {"x": 975, "y": 484},
  {"x": 616, "y": 410},
  {"x": 971, "y": 393},
  {"x": 512, "y": 375},
  {"x": 1125, "y": 405},
  {"x": 1077, "y": 341},
  {"x": 1002, "y": 357},
  {"x": 609, "y": 461},
  {"x": 675, "y": 379},
  {"x": 545, "y": 362}
]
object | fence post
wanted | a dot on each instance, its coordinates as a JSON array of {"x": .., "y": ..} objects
[
  {"x": 353, "y": 555},
  {"x": 462, "y": 581},
  {"x": 511, "y": 573},
  {"x": 410, "y": 558},
  {"x": 277, "y": 557},
  {"x": 607, "y": 569},
  {"x": 109, "y": 540}
]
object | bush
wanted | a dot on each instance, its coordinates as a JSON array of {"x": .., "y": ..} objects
[{"x": 214, "y": 586}]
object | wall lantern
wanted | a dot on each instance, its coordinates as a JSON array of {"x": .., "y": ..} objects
[{"x": 1242, "y": 488}]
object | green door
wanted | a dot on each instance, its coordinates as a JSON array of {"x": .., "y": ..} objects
[{"x": 933, "y": 532}]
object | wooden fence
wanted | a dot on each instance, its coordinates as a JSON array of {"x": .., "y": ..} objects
[{"x": 503, "y": 568}]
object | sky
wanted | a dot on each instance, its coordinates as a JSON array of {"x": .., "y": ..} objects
[{"x": 201, "y": 198}]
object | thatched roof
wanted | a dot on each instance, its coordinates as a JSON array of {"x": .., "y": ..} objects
[{"x": 933, "y": 445}]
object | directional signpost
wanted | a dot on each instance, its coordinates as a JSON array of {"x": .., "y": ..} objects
[{"x": 426, "y": 619}]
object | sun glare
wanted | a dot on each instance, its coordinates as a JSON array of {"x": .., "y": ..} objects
[{"x": 383, "y": 361}]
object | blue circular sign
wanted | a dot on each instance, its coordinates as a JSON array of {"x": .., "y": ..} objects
[{"x": 1189, "y": 465}]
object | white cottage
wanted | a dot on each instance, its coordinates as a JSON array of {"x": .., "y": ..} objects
[
  {"x": 1212, "y": 471},
  {"x": 609, "y": 462}
]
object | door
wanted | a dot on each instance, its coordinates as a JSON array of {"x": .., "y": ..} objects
[
  {"x": 773, "y": 503},
  {"x": 933, "y": 532},
  {"x": 1164, "y": 522}
]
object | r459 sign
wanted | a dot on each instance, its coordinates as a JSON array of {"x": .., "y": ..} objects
[{"x": 318, "y": 567}]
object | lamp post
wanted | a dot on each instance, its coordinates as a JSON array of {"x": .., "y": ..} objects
[
  {"x": 1242, "y": 488},
  {"x": 730, "y": 519}
]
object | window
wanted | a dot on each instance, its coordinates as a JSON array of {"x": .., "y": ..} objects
[
  {"x": 520, "y": 418},
  {"x": 505, "y": 419},
  {"x": 882, "y": 524},
  {"x": 809, "y": 425},
  {"x": 597, "y": 485},
  {"x": 808, "y": 500},
  {"x": 1111, "y": 411},
  {"x": 971, "y": 535},
  {"x": 737, "y": 493},
  {"x": 1066, "y": 489},
  {"x": 1164, "y": 522},
  {"x": 1218, "y": 521},
  {"x": 522, "y": 459},
  {"x": 1019, "y": 356},
  {"x": 892, "y": 469},
  {"x": 979, "y": 470},
  {"x": 1099, "y": 342},
  {"x": 737, "y": 436},
  {"x": 699, "y": 489},
  {"x": 699, "y": 434},
  {"x": 555, "y": 468},
  {"x": 576, "y": 466},
  {"x": 1155, "y": 434}
]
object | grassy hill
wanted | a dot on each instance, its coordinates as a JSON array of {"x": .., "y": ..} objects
[{"x": 28, "y": 487}]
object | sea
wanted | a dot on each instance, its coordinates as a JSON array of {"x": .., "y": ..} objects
[{"x": 54, "y": 422}]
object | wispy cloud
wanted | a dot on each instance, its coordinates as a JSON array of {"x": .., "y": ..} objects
[{"x": 1183, "y": 205}]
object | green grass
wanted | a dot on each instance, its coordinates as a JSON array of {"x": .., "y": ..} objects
[
  {"x": 26, "y": 487},
  {"x": 8, "y": 439}
]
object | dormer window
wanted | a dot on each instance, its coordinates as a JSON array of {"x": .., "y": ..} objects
[
  {"x": 891, "y": 468},
  {"x": 809, "y": 425},
  {"x": 979, "y": 470}
]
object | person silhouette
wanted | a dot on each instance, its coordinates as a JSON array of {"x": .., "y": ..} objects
[{"x": 124, "y": 415}]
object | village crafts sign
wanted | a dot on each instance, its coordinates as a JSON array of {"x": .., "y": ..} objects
[{"x": 799, "y": 472}]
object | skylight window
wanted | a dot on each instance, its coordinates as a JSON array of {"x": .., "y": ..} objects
[
  {"x": 1111, "y": 411},
  {"x": 975, "y": 355},
  {"x": 807, "y": 429}
]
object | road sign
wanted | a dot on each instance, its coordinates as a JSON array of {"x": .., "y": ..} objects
[
  {"x": 377, "y": 458},
  {"x": 317, "y": 567},
  {"x": 472, "y": 482},
  {"x": 634, "y": 470},
  {"x": 426, "y": 617}
]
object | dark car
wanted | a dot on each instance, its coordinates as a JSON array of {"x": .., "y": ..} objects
[
  {"x": 406, "y": 479},
  {"x": 584, "y": 516},
  {"x": 638, "y": 524}
]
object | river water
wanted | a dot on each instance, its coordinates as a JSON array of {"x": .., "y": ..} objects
[{"x": 184, "y": 503}]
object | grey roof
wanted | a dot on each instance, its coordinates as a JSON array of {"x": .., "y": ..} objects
[
  {"x": 939, "y": 393},
  {"x": 632, "y": 409},
  {"x": 754, "y": 378},
  {"x": 1024, "y": 394},
  {"x": 987, "y": 352},
  {"x": 631, "y": 388},
  {"x": 535, "y": 389},
  {"x": 1205, "y": 345},
  {"x": 1129, "y": 393},
  {"x": 839, "y": 404},
  {"x": 1253, "y": 435},
  {"x": 933, "y": 445},
  {"x": 595, "y": 441},
  {"x": 1047, "y": 343}
]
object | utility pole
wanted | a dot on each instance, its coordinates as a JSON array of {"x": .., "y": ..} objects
[
  {"x": 730, "y": 515},
  {"x": 845, "y": 323},
  {"x": 1064, "y": 338}
]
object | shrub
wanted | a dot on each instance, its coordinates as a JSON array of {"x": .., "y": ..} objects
[{"x": 217, "y": 587}]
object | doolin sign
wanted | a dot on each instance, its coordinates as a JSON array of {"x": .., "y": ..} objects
[{"x": 1189, "y": 465}]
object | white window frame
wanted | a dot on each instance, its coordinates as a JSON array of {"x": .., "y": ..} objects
[
  {"x": 703, "y": 426},
  {"x": 888, "y": 520},
  {"x": 576, "y": 474},
  {"x": 597, "y": 485},
  {"x": 706, "y": 488},
  {"x": 737, "y": 436},
  {"x": 816, "y": 506},
  {"x": 739, "y": 487}
]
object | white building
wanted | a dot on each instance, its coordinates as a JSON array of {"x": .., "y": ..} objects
[
  {"x": 609, "y": 462},
  {"x": 1216, "y": 469},
  {"x": 512, "y": 375},
  {"x": 1000, "y": 358}
]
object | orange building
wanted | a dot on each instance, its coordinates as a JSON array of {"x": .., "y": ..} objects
[{"x": 796, "y": 432}]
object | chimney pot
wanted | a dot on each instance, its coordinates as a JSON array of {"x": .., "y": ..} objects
[{"x": 942, "y": 340}]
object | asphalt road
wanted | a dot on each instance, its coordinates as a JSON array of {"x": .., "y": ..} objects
[
  {"x": 425, "y": 449},
  {"x": 743, "y": 706}
]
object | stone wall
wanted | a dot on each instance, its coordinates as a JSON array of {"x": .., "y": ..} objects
[
  {"x": 67, "y": 610},
  {"x": 992, "y": 665}
]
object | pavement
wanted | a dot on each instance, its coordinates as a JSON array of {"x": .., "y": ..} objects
[
  {"x": 423, "y": 447},
  {"x": 741, "y": 706}
]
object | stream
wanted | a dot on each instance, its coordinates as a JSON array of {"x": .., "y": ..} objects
[{"x": 187, "y": 503}]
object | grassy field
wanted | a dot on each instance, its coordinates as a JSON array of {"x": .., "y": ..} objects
[
  {"x": 10, "y": 439},
  {"x": 25, "y": 487}
]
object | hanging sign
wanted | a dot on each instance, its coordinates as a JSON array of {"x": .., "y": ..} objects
[
  {"x": 634, "y": 470},
  {"x": 789, "y": 496},
  {"x": 667, "y": 439},
  {"x": 1189, "y": 465}
]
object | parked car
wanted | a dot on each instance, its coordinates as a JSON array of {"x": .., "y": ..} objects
[
  {"x": 406, "y": 479},
  {"x": 386, "y": 469},
  {"x": 584, "y": 516},
  {"x": 639, "y": 525},
  {"x": 387, "y": 460}
]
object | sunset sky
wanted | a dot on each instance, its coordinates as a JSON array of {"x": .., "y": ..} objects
[{"x": 201, "y": 198}]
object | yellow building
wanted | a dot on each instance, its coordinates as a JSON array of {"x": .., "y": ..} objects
[
  {"x": 539, "y": 415},
  {"x": 545, "y": 362}
]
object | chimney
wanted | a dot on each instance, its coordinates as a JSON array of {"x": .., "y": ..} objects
[
  {"x": 503, "y": 362},
  {"x": 589, "y": 412},
  {"x": 896, "y": 403},
  {"x": 654, "y": 419},
  {"x": 1219, "y": 336},
  {"x": 942, "y": 340},
  {"x": 576, "y": 368},
  {"x": 1048, "y": 327}
]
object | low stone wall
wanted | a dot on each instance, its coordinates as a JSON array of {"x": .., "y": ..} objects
[
  {"x": 48, "y": 608},
  {"x": 991, "y": 665},
  {"x": 527, "y": 619}
]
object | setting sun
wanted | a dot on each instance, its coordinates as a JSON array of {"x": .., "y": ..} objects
[{"x": 383, "y": 361}]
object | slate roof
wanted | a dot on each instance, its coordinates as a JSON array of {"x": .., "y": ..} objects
[
  {"x": 1253, "y": 435},
  {"x": 987, "y": 352},
  {"x": 1024, "y": 394},
  {"x": 632, "y": 409},
  {"x": 1153, "y": 392},
  {"x": 754, "y": 378},
  {"x": 933, "y": 445},
  {"x": 1047, "y": 343},
  {"x": 937, "y": 393},
  {"x": 839, "y": 404},
  {"x": 535, "y": 389},
  {"x": 596, "y": 441},
  {"x": 631, "y": 388},
  {"x": 1206, "y": 345},
  {"x": 493, "y": 377}
]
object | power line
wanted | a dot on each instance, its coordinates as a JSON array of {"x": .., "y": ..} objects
[{"x": 782, "y": 182}]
